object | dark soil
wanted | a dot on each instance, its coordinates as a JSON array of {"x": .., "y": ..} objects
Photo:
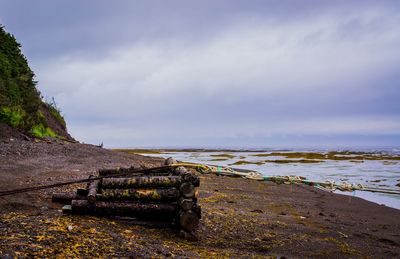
[
  {"x": 7, "y": 132},
  {"x": 241, "y": 218}
]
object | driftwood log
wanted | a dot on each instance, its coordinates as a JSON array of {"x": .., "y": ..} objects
[
  {"x": 168, "y": 195},
  {"x": 92, "y": 191},
  {"x": 165, "y": 194},
  {"x": 140, "y": 210},
  {"x": 67, "y": 197}
]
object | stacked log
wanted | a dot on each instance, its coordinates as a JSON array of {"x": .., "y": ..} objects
[{"x": 169, "y": 195}]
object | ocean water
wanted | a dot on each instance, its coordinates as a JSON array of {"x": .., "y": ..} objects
[{"x": 375, "y": 173}]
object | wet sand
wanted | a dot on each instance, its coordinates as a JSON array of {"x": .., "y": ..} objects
[{"x": 241, "y": 218}]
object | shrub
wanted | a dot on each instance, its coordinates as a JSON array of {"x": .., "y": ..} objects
[
  {"x": 13, "y": 116},
  {"x": 41, "y": 131},
  {"x": 55, "y": 111}
]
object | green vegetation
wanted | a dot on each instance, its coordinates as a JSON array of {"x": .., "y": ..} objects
[
  {"x": 20, "y": 101},
  {"x": 13, "y": 116},
  {"x": 217, "y": 159},
  {"x": 55, "y": 111},
  {"x": 334, "y": 155},
  {"x": 244, "y": 162},
  {"x": 227, "y": 156},
  {"x": 287, "y": 161},
  {"x": 41, "y": 131}
]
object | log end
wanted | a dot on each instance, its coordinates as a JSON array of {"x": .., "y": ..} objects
[
  {"x": 170, "y": 161},
  {"x": 188, "y": 220},
  {"x": 67, "y": 209},
  {"x": 188, "y": 190}
]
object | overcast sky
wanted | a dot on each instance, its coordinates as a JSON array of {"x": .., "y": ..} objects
[{"x": 217, "y": 73}]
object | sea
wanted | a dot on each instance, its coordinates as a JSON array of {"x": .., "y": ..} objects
[{"x": 374, "y": 173}]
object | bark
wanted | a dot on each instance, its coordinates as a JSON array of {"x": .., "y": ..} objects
[
  {"x": 83, "y": 192},
  {"x": 92, "y": 191},
  {"x": 132, "y": 169},
  {"x": 191, "y": 177},
  {"x": 139, "y": 210},
  {"x": 188, "y": 220},
  {"x": 82, "y": 207},
  {"x": 169, "y": 194},
  {"x": 186, "y": 204},
  {"x": 142, "y": 181},
  {"x": 188, "y": 190},
  {"x": 66, "y": 197}
]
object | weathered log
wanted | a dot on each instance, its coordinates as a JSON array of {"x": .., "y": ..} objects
[
  {"x": 132, "y": 169},
  {"x": 187, "y": 190},
  {"x": 142, "y": 181},
  {"x": 186, "y": 204},
  {"x": 153, "y": 211},
  {"x": 180, "y": 170},
  {"x": 191, "y": 177},
  {"x": 197, "y": 209},
  {"x": 82, "y": 207},
  {"x": 168, "y": 194},
  {"x": 188, "y": 220},
  {"x": 67, "y": 209},
  {"x": 92, "y": 191},
  {"x": 81, "y": 191},
  {"x": 170, "y": 161},
  {"x": 66, "y": 197}
]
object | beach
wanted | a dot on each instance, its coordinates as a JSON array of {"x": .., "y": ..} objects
[{"x": 240, "y": 217}]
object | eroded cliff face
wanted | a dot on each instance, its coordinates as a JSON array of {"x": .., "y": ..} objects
[{"x": 22, "y": 110}]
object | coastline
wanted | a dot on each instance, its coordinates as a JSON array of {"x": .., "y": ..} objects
[{"x": 241, "y": 218}]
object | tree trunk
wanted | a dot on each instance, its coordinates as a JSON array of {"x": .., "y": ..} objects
[
  {"x": 188, "y": 190},
  {"x": 66, "y": 198},
  {"x": 139, "y": 210},
  {"x": 188, "y": 220},
  {"x": 142, "y": 181},
  {"x": 92, "y": 191},
  {"x": 169, "y": 194},
  {"x": 186, "y": 204}
]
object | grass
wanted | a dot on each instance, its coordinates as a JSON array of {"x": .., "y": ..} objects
[
  {"x": 227, "y": 156},
  {"x": 287, "y": 161},
  {"x": 13, "y": 116},
  {"x": 41, "y": 131},
  {"x": 218, "y": 159},
  {"x": 244, "y": 162},
  {"x": 334, "y": 155}
]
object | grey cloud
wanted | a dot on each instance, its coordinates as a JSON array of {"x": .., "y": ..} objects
[{"x": 215, "y": 71}]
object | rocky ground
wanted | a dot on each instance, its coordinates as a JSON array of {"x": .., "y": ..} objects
[{"x": 241, "y": 218}]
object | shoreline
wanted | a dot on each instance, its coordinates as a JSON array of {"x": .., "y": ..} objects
[
  {"x": 241, "y": 218},
  {"x": 345, "y": 166}
]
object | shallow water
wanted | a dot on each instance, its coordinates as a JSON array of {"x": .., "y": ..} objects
[{"x": 374, "y": 173}]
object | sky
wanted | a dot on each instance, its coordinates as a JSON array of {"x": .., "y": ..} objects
[{"x": 250, "y": 73}]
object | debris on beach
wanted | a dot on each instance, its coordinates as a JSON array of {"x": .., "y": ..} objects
[{"x": 166, "y": 196}]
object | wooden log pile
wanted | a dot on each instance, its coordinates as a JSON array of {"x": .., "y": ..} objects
[{"x": 169, "y": 195}]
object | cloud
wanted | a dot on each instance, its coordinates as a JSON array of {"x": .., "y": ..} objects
[{"x": 329, "y": 69}]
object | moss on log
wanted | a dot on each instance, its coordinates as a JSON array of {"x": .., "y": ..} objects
[
  {"x": 169, "y": 194},
  {"x": 153, "y": 211},
  {"x": 142, "y": 181}
]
